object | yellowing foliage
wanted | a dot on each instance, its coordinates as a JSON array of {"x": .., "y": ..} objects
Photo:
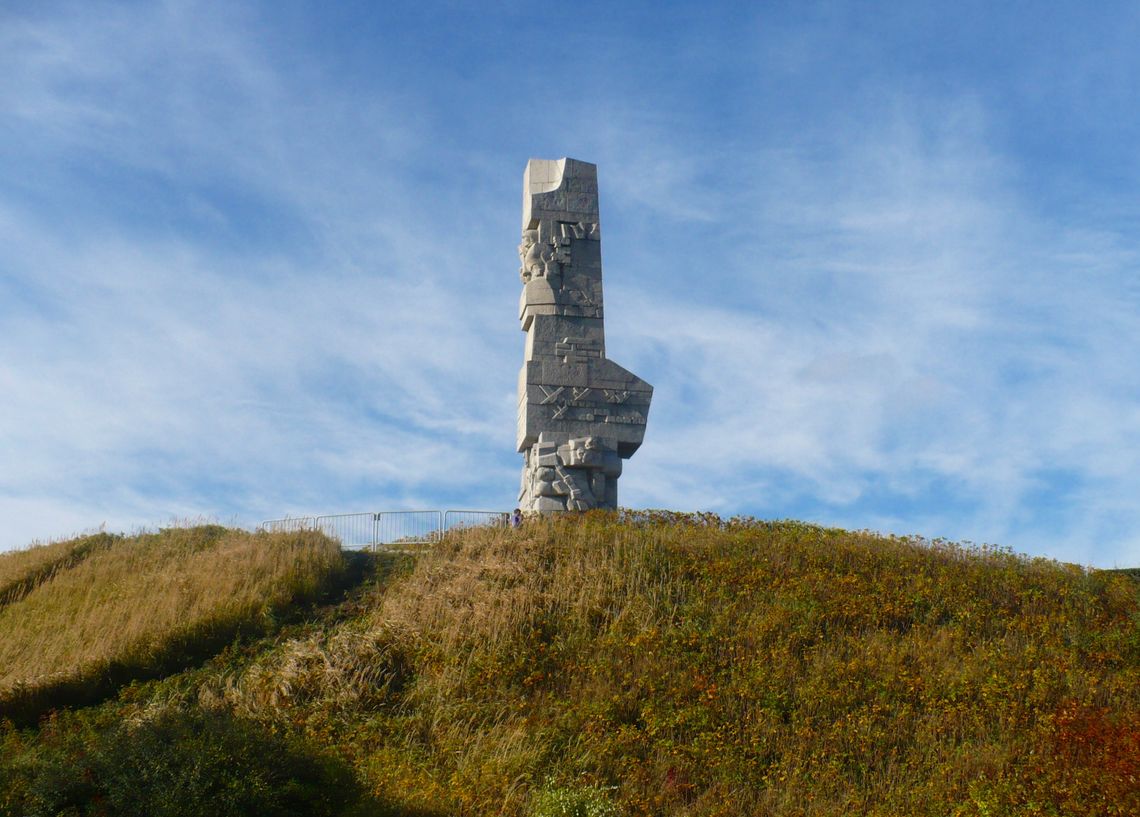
[
  {"x": 136, "y": 603},
  {"x": 22, "y": 570}
]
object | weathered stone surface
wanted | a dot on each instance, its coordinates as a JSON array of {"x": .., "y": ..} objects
[{"x": 580, "y": 414}]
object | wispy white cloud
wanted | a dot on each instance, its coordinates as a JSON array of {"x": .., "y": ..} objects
[
  {"x": 242, "y": 376},
  {"x": 926, "y": 340},
  {"x": 235, "y": 284}
]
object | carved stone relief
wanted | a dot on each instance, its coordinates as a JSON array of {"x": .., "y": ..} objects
[{"x": 580, "y": 413}]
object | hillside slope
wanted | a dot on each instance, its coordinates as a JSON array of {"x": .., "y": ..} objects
[
  {"x": 671, "y": 665},
  {"x": 21, "y": 571},
  {"x": 78, "y": 618}
]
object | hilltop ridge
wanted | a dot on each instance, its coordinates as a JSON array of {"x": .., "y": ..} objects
[{"x": 657, "y": 664}]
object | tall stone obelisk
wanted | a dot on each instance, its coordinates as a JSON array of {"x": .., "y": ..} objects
[{"x": 579, "y": 413}]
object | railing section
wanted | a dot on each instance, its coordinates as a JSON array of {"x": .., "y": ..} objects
[
  {"x": 475, "y": 519},
  {"x": 407, "y": 528},
  {"x": 388, "y": 529},
  {"x": 289, "y": 524}
]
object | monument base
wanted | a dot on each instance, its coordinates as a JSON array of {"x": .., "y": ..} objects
[{"x": 563, "y": 473}]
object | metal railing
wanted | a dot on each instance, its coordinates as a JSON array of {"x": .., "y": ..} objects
[
  {"x": 388, "y": 529},
  {"x": 475, "y": 519},
  {"x": 289, "y": 524}
]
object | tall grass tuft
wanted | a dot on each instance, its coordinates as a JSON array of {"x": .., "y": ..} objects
[
  {"x": 139, "y": 606},
  {"x": 22, "y": 570}
]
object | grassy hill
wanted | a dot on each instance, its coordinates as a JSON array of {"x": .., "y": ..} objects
[
  {"x": 78, "y": 618},
  {"x": 594, "y": 665}
]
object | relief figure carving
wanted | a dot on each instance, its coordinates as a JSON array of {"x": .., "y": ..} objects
[{"x": 542, "y": 259}]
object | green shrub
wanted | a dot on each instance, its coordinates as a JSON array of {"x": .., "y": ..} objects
[
  {"x": 178, "y": 764},
  {"x": 572, "y": 801}
]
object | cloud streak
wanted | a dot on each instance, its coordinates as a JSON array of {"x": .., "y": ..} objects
[{"x": 250, "y": 268}]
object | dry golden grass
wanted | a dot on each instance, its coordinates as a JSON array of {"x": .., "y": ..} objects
[
  {"x": 135, "y": 605},
  {"x": 22, "y": 570}
]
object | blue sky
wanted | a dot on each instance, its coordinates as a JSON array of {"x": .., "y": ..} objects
[{"x": 881, "y": 261}]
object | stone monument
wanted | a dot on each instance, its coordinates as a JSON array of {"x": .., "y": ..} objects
[{"x": 580, "y": 414}]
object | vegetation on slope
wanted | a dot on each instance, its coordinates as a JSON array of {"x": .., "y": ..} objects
[
  {"x": 98, "y": 611},
  {"x": 22, "y": 570},
  {"x": 671, "y": 665},
  {"x": 177, "y": 764}
]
